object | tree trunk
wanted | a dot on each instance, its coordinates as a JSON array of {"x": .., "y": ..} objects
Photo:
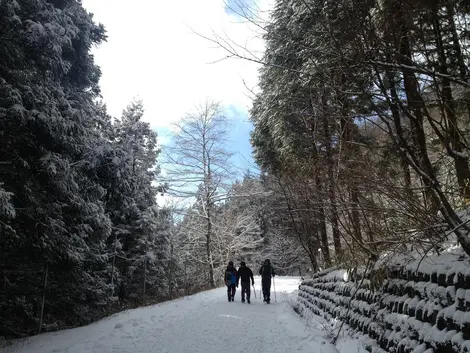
[
  {"x": 419, "y": 153},
  {"x": 463, "y": 70},
  {"x": 322, "y": 223},
  {"x": 356, "y": 219},
  {"x": 324, "y": 238},
  {"x": 171, "y": 271},
  {"x": 306, "y": 237},
  {"x": 415, "y": 105},
  {"x": 352, "y": 152},
  {"x": 46, "y": 272},
  {"x": 209, "y": 252},
  {"x": 145, "y": 277},
  {"x": 460, "y": 162},
  {"x": 186, "y": 277},
  {"x": 331, "y": 190},
  {"x": 209, "y": 229},
  {"x": 114, "y": 259},
  {"x": 405, "y": 165},
  {"x": 208, "y": 204},
  {"x": 312, "y": 246}
]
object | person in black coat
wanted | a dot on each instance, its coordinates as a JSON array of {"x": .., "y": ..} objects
[
  {"x": 245, "y": 274},
  {"x": 267, "y": 272}
]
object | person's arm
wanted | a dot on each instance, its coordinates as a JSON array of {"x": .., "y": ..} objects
[
  {"x": 261, "y": 270},
  {"x": 272, "y": 271},
  {"x": 238, "y": 277},
  {"x": 252, "y": 279}
]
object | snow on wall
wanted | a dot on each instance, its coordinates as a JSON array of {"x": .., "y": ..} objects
[{"x": 422, "y": 305}]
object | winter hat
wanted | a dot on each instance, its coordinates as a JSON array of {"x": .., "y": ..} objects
[
  {"x": 230, "y": 263},
  {"x": 267, "y": 261},
  {"x": 243, "y": 263}
]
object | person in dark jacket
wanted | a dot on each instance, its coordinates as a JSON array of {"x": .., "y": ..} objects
[
  {"x": 231, "y": 281},
  {"x": 267, "y": 272},
  {"x": 244, "y": 275}
]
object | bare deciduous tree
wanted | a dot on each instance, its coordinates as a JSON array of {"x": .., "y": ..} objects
[{"x": 199, "y": 165}]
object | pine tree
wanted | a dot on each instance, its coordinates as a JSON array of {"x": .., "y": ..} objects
[
  {"x": 48, "y": 82},
  {"x": 337, "y": 103},
  {"x": 128, "y": 173}
]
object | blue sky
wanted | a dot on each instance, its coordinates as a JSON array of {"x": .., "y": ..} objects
[
  {"x": 235, "y": 7},
  {"x": 239, "y": 139}
]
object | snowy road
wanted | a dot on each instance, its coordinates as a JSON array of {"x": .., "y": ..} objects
[{"x": 205, "y": 323}]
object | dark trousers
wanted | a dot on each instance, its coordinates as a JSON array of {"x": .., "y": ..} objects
[
  {"x": 266, "y": 286},
  {"x": 246, "y": 290},
  {"x": 231, "y": 288}
]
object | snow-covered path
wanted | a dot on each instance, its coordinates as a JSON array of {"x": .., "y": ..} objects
[{"x": 204, "y": 322}]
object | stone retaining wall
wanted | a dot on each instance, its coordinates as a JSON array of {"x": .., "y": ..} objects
[{"x": 424, "y": 310}]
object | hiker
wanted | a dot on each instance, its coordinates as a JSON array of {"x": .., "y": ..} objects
[
  {"x": 267, "y": 272},
  {"x": 231, "y": 281},
  {"x": 244, "y": 275}
]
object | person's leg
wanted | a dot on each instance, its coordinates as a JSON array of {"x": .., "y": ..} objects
[
  {"x": 229, "y": 294},
  {"x": 234, "y": 288},
  {"x": 243, "y": 291},
  {"x": 248, "y": 292},
  {"x": 268, "y": 291},
  {"x": 266, "y": 283}
]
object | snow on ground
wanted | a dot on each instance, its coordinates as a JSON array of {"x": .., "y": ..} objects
[{"x": 205, "y": 322}]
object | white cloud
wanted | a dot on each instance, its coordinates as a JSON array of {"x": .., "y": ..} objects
[
  {"x": 152, "y": 53},
  {"x": 174, "y": 202}
]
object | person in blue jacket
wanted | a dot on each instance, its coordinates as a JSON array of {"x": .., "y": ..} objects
[{"x": 231, "y": 281}]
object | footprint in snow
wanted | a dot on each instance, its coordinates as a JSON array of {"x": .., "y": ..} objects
[{"x": 118, "y": 325}]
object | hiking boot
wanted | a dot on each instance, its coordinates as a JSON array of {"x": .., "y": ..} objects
[
  {"x": 243, "y": 300},
  {"x": 248, "y": 301},
  {"x": 229, "y": 299},
  {"x": 233, "y": 299}
]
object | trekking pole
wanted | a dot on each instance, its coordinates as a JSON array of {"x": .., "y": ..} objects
[{"x": 274, "y": 285}]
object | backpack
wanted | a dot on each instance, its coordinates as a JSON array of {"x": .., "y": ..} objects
[
  {"x": 228, "y": 276},
  {"x": 267, "y": 271}
]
